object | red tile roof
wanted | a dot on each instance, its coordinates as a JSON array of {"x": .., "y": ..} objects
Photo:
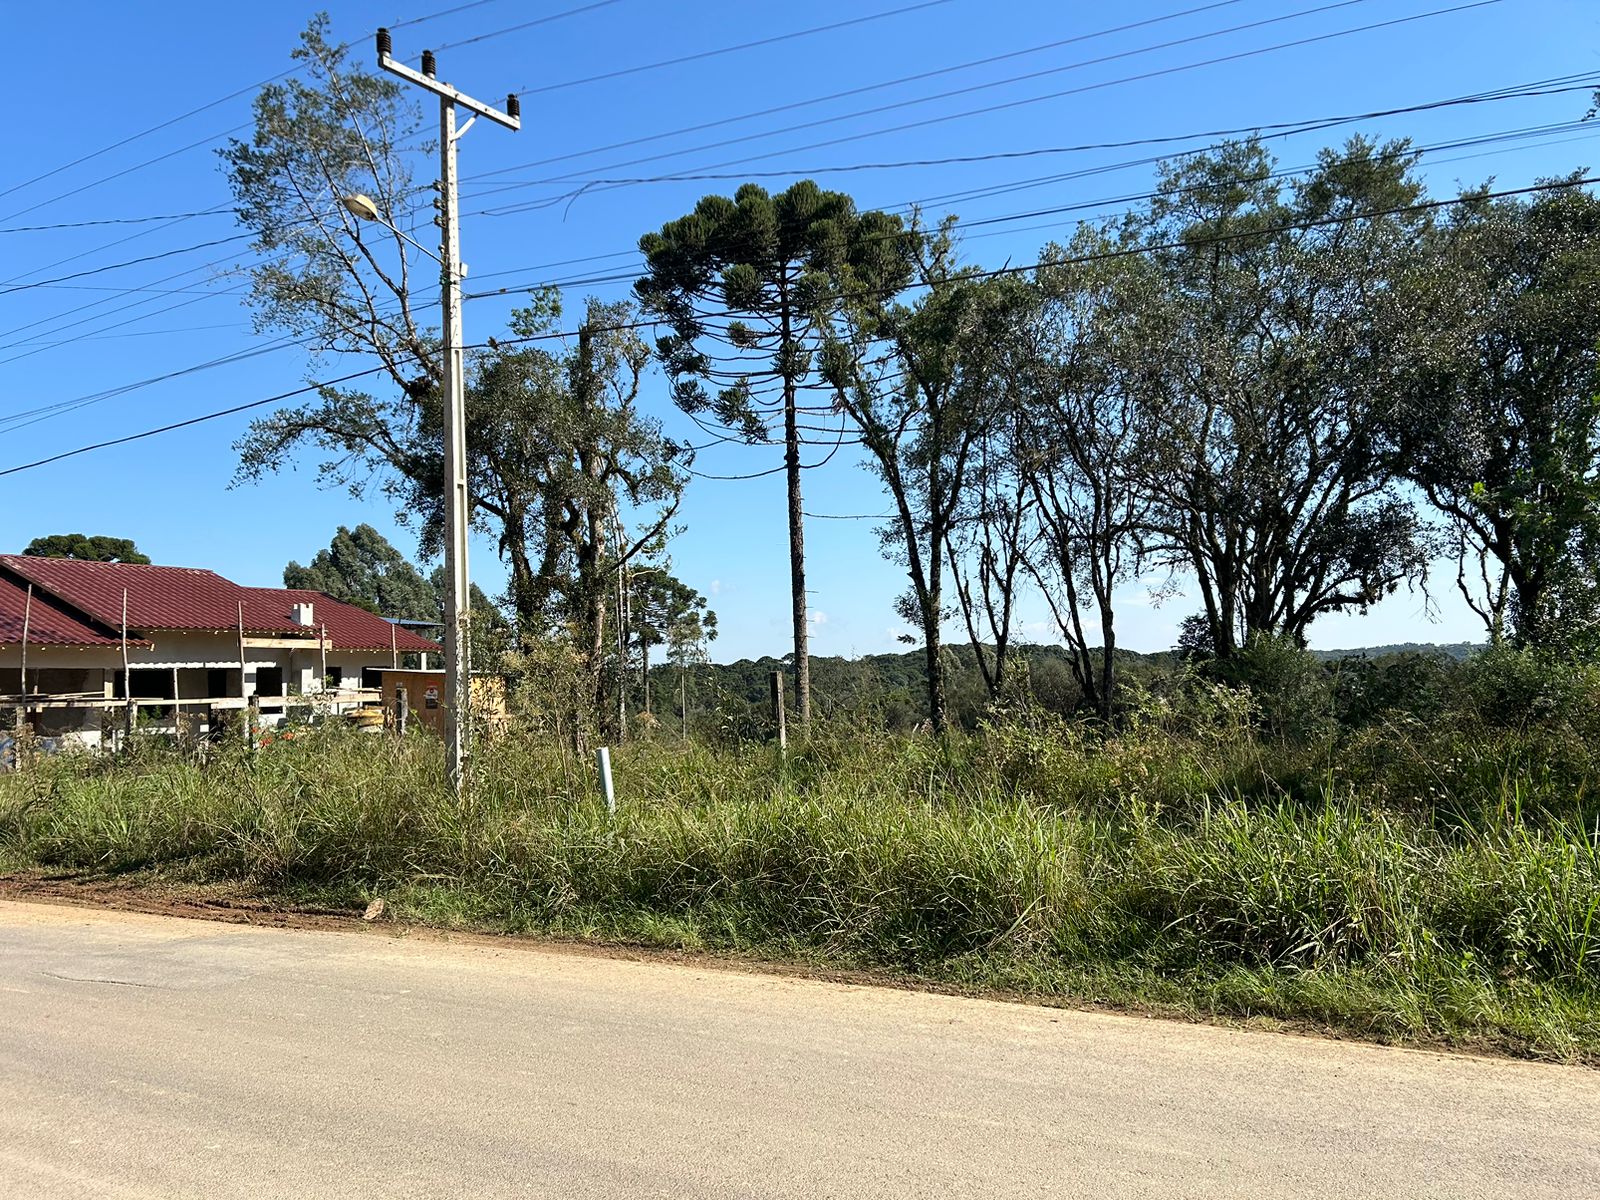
[
  {"x": 349, "y": 627},
  {"x": 189, "y": 599},
  {"x": 47, "y": 624}
]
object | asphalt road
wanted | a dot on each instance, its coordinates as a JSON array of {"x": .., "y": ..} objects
[{"x": 152, "y": 1056}]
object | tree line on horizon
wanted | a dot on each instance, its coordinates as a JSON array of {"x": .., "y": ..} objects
[{"x": 1297, "y": 391}]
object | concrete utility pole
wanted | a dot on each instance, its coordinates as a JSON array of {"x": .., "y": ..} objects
[{"x": 457, "y": 608}]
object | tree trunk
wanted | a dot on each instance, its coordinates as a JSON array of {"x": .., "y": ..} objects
[
  {"x": 797, "y": 534},
  {"x": 525, "y": 597},
  {"x": 933, "y": 652},
  {"x": 1108, "y": 647}
]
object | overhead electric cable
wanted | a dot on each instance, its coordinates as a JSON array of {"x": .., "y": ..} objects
[
  {"x": 1284, "y": 128},
  {"x": 243, "y": 91},
  {"x": 702, "y": 55},
  {"x": 1191, "y": 66},
  {"x": 856, "y": 91},
  {"x": 1065, "y": 260},
  {"x": 484, "y": 37},
  {"x": 1007, "y": 81}
]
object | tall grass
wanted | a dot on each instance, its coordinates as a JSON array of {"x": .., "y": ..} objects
[{"x": 1204, "y": 874}]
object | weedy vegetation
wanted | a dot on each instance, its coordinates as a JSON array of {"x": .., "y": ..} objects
[{"x": 1393, "y": 874}]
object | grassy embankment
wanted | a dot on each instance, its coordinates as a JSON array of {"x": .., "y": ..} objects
[{"x": 1393, "y": 887}]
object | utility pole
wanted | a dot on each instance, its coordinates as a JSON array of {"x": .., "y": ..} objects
[{"x": 457, "y": 605}]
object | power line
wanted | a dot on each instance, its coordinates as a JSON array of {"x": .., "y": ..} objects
[
  {"x": 132, "y": 262},
  {"x": 1135, "y": 197},
  {"x": 1473, "y": 4},
  {"x": 1081, "y": 206},
  {"x": 1029, "y": 50},
  {"x": 851, "y": 516},
  {"x": 1514, "y": 91},
  {"x": 206, "y": 212},
  {"x": 174, "y": 275},
  {"x": 184, "y": 116},
  {"x": 176, "y": 425},
  {"x": 284, "y": 342},
  {"x": 1279, "y": 129},
  {"x": 1282, "y": 173},
  {"x": 483, "y": 37},
  {"x": 572, "y": 12},
  {"x": 524, "y": 207},
  {"x": 1007, "y": 81},
  {"x": 1287, "y": 128},
  {"x": 101, "y": 337},
  {"x": 1509, "y": 92},
  {"x": 723, "y": 50},
  {"x": 1065, "y": 260},
  {"x": 246, "y": 125},
  {"x": 871, "y": 87}
]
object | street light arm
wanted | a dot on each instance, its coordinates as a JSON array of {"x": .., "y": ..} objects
[{"x": 362, "y": 206}]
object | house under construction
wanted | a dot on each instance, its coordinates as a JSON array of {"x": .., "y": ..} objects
[{"x": 87, "y": 648}]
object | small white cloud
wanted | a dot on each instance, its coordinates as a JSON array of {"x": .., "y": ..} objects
[
  {"x": 716, "y": 587},
  {"x": 819, "y": 618}
]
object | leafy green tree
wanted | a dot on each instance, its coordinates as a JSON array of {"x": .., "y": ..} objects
[
  {"x": 87, "y": 548},
  {"x": 922, "y": 383},
  {"x": 1080, "y": 437},
  {"x": 1283, "y": 335},
  {"x": 329, "y": 130},
  {"x": 748, "y": 286},
  {"x": 991, "y": 547},
  {"x": 493, "y": 635},
  {"x": 1504, "y": 415},
  {"x": 361, "y": 567},
  {"x": 579, "y": 482},
  {"x": 665, "y": 611}
]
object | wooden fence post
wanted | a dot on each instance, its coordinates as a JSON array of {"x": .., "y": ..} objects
[
  {"x": 401, "y": 710},
  {"x": 779, "y": 719},
  {"x": 129, "y": 710},
  {"x": 244, "y": 710},
  {"x": 22, "y": 678}
]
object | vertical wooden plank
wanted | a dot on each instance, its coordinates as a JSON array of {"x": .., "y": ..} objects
[
  {"x": 244, "y": 713},
  {"x": 127, "y": 678},
  {"x": 21, "y": 742},
  {"x": 22, "y": 678}
]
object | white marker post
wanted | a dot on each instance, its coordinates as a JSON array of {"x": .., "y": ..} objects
[{"x": 603, "y": 756}]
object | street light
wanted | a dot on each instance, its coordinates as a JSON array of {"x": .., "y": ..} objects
[
  {"x": 366, "y": 208},
  {"x": 361, "y": 205}
]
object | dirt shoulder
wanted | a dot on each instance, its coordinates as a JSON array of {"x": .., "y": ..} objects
[{"x": 234, "y": 903}]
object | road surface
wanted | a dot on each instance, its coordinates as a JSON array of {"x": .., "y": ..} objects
[{"x": 153, "y": 1056}]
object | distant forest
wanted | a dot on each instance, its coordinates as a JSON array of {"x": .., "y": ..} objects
[{"x": 732, "y": 701}]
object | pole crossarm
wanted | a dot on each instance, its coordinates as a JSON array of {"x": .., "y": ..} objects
[{"x": 511, "y": 120}]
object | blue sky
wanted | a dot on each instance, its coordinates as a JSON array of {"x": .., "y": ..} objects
[{"x": 104, "y": 72}]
